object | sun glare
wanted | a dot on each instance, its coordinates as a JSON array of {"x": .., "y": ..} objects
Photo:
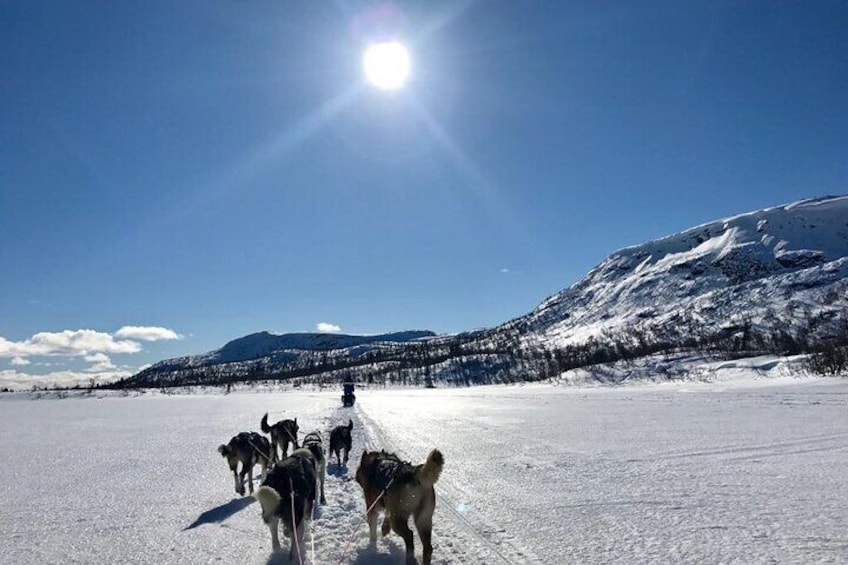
[{"x": 386, "y": 65}]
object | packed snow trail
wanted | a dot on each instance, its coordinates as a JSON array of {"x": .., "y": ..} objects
[{"x": 457, "y": 536}]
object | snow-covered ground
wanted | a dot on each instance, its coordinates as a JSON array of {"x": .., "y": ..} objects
[{"x": 678, "y": 473}]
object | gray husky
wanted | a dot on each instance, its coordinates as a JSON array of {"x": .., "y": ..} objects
[
  {"x": 249, "y": 449},
  {"x": 314, "y": 443}
]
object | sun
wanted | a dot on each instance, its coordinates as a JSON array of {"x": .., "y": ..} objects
[{"x": 386, "y": 65}]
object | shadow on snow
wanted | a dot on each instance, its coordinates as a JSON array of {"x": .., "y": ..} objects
[
  {"x": 370, "y": 556},
  {"x": 220, "y": 513},
  {"x": 336, "y": 470}
]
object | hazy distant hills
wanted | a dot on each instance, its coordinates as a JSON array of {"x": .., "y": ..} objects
[{"x": 772, "y": 281}]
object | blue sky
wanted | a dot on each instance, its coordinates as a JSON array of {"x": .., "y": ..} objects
[{"x": 178, "y": 174}]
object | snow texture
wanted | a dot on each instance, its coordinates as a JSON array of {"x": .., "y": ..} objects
[{"x": 742, "y": 471}]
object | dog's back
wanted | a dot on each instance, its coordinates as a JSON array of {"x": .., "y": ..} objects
[
  {"x": 381, "y": 470},
  {"x": 295, "y": 471}
]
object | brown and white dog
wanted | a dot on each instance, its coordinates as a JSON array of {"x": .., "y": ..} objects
[
  {"x": 288, "y": 494},
  {"x": 340, "y": 439},
  {"x": 249, "y": 449},
  {"x": 401, "y": 489},
  {"x": 282, "y": 433}
]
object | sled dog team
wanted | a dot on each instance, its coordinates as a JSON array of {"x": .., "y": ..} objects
[{"x": 288, "y": 491}]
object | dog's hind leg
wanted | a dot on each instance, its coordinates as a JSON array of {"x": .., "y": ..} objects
[
  {"x": 249, "y": 469},
  {"x": 401, "y": 528},
  {"x": 387, "y": 524},
  {"x": 372, "y": 527},
  {"x": 245, "y": 470},
  {"x": 424, "y": 525},
  {"x": 321, "y": 474},
  {"x": 273, "y": 525},
  {"x": 297, "y": 543}
]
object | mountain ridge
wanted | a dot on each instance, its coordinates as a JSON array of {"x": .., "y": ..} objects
[{"x": 773, "y": 280}]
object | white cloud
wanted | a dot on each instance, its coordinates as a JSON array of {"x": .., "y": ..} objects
[
  {"x": 146, "y": 333},
  {"x": 504, "y": 270},
  {"x": 97, "y": 358},
  {"x": 90, "y": 345},
  {"x": 22, "y": 381},
  {"x": 78, "y": 343},
  {"x": 101, "y": 362},
  {"x": 101, "y": 367},
  {"x": 327, "y": 327},
  {"x": 67, "y": 343}
]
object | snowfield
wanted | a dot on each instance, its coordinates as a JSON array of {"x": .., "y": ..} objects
[{"x": 681, "y": 473}]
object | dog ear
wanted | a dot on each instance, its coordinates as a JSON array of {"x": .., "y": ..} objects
[{"x": 223, "y": 449}]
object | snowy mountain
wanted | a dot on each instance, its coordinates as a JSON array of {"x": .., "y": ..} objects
[
  {"x": 272, "y": 352},
  {"x": 772, "y": 281},
  {"x": 779, "y": 270},
  {"x": 264, "y": 343}
]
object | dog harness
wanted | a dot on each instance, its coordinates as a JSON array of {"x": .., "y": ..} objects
[{"x": 387, "y": 468}]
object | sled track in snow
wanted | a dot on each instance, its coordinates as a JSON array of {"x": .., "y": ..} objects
[{"x": 476, "y": 541}]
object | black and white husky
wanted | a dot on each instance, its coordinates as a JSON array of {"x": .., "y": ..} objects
[
  {"x": 288, "y": 494},
  {"x": 249, "y": 449}
]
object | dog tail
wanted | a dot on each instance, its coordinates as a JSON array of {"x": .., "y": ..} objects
[
  {"x": 432, "y": 468},
  {"x": 269, "y": 499},
  {"x": 264, "y": 424},
  {"x": 350, "y": 425}
]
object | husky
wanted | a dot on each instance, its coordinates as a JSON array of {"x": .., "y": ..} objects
[
  {"x": 315, "y": 444},
  {"x": 401, "y": 489},
  {"x": 282, "y": 433},
  {"x": 340, "y": 439},
  {"x": 249, "y": 449},
  {"x": 288, "y": 494}
]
